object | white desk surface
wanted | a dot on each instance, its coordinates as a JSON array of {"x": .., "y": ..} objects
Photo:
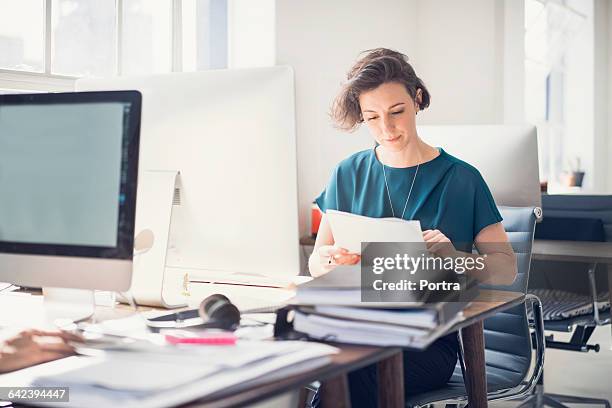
[{"x": 27, "y": 310}]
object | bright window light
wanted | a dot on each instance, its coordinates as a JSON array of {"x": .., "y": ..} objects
[
  {"x": 22, "y": 35},
  {"x": 83, "y": 37},
  {"x": 147, "y": 36}
]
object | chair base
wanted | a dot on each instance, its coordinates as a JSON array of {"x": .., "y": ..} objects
[{"x": 541, "y": 399}]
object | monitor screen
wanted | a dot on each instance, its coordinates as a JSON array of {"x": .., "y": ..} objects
[{"x": 66, "y": 183}]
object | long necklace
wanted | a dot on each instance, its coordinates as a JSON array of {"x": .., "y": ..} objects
[{"x": 409, "y": 191}]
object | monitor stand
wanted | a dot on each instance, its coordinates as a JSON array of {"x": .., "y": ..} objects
[
  {"x": 153, "y": 284},
  {"x": 66, "y": 306}
]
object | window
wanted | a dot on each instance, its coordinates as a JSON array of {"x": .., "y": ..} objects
[
  {"x": 205, "y": 44},
  {"x": 146, "y": 36},
  {"x": 45, "y": 45},
  {"x": 83, "y": 39},
  {"x": 21, "y": 35},
  {"x": 559, "y": 43}
]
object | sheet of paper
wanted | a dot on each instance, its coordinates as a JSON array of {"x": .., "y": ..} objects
[
  {"x": 350, "y": 230},
  {"x": 150, "y": 389},
  {"x": 146, "y": 373},
  {"x": 416, "y": 317}
]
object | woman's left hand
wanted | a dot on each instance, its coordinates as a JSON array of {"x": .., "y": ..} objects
[{"x": 438, "y": 243}]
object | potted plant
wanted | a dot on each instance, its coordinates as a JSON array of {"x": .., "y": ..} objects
[{"x": 576, "y": 174}]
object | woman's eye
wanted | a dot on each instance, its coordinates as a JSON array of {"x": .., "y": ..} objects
[
  {"x": 372, "y": 118},
  {"x": 397, "y": 112}
]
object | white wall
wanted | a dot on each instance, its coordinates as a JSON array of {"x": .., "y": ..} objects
[
  {"x": 606, "y": 144},
  {"x": 602, "y": 14},
  {"x": 469, "y": 54},
  {"x": 458, "y": 59},
  {"x": 608, "y": 133},
  {"x": 603, "y": 94},
  {"x": 251, "y": 27},
  {"x": 512, "y": 32}
]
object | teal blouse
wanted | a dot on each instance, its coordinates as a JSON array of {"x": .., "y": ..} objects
[{"x": 448, "y": 194}]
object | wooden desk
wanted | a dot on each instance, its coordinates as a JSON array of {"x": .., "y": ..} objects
[
  {"x": 349, "y": 359},
  {"x": 590, "y": 253},
  {"x": 391, "y": 393},
  {"x": 390, "y": 363}
]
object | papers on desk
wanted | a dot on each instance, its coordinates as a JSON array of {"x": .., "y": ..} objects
[
  {"x": 330, "y": 308},
  {"x": 350, "y": 230},
  {"x": 422, "y": 318},
  {"x": 170, "y": 378},
  {"x": 368, "y": 332},
  {"x": 126, "y": 371}
]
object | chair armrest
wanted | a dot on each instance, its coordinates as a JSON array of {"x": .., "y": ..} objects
[
  {"x": 530, "y": 382},
  {"x": 540, "y": 346}
]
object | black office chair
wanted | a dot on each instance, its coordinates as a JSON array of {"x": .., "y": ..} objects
[
  {"x": 573, "y": 218},
  {"x": 508, "y": 342}
]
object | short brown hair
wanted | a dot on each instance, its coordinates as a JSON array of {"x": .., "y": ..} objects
[{"x": 374, "y": 68}]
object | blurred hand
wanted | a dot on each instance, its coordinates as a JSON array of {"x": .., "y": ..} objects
[
  {"x": 33, "y": 347},
  {"x": 331, "y": 256},
  {"x": 439, "y": 244}
]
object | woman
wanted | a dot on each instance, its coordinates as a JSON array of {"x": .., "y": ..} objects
[
  {"x": 33, "y": 347},
  {"x": 404, "y": 177}
]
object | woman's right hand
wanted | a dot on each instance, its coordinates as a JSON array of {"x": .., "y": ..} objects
[
  {"x": 33, "y": 347},
  {"x": 326, "y": 256},
  {"x": 331, "y": 256}
]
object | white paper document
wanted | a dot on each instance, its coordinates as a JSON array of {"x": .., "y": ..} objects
[
  {"x": 367, "y": 333},
  {"x": 350, "y": 230},
  {"x": 165, "y": 379},
  {"x": 347, "y": 331},
  {"x": 426, "y": 318},
  {"x": 117, "y": 371}
]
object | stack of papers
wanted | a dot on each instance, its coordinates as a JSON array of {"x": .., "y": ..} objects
[
  {"x": 419, "y": 318},
  {"x": 173, "y": 376},
  {"x": 330, "y": 308},
  {"x": 359, "y": 332},
  {"x": 342, "y": 287}
]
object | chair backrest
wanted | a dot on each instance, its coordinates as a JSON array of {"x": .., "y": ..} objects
[
  {"x": 589, "y": 210},
  {"x": 507, "y": 337},
  {"x": 571, "y": 229},
  {"x": 519, "y": 223},
  {"x": 580, "y": 206}
]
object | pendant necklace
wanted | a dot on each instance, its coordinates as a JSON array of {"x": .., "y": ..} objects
[{"x": 409, "y": 191}]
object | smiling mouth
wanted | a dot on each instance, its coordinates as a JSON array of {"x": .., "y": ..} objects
[{"x": 392, "y": 140}]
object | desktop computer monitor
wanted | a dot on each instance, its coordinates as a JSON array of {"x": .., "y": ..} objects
[
  {"x": 68, "y": 173},
  {"x": 231, "y": 135},
  {"x": 505, "y": 155}
]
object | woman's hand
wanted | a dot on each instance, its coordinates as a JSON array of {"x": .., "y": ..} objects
[
  {"x": 325, "y": 255},
  {"x": 33, "y": 347},
  {"x": 439, "y": 244},
  {"x": 330, "y": 256}
]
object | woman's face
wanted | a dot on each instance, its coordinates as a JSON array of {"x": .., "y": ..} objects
[{"x": 389, "y": 112}]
